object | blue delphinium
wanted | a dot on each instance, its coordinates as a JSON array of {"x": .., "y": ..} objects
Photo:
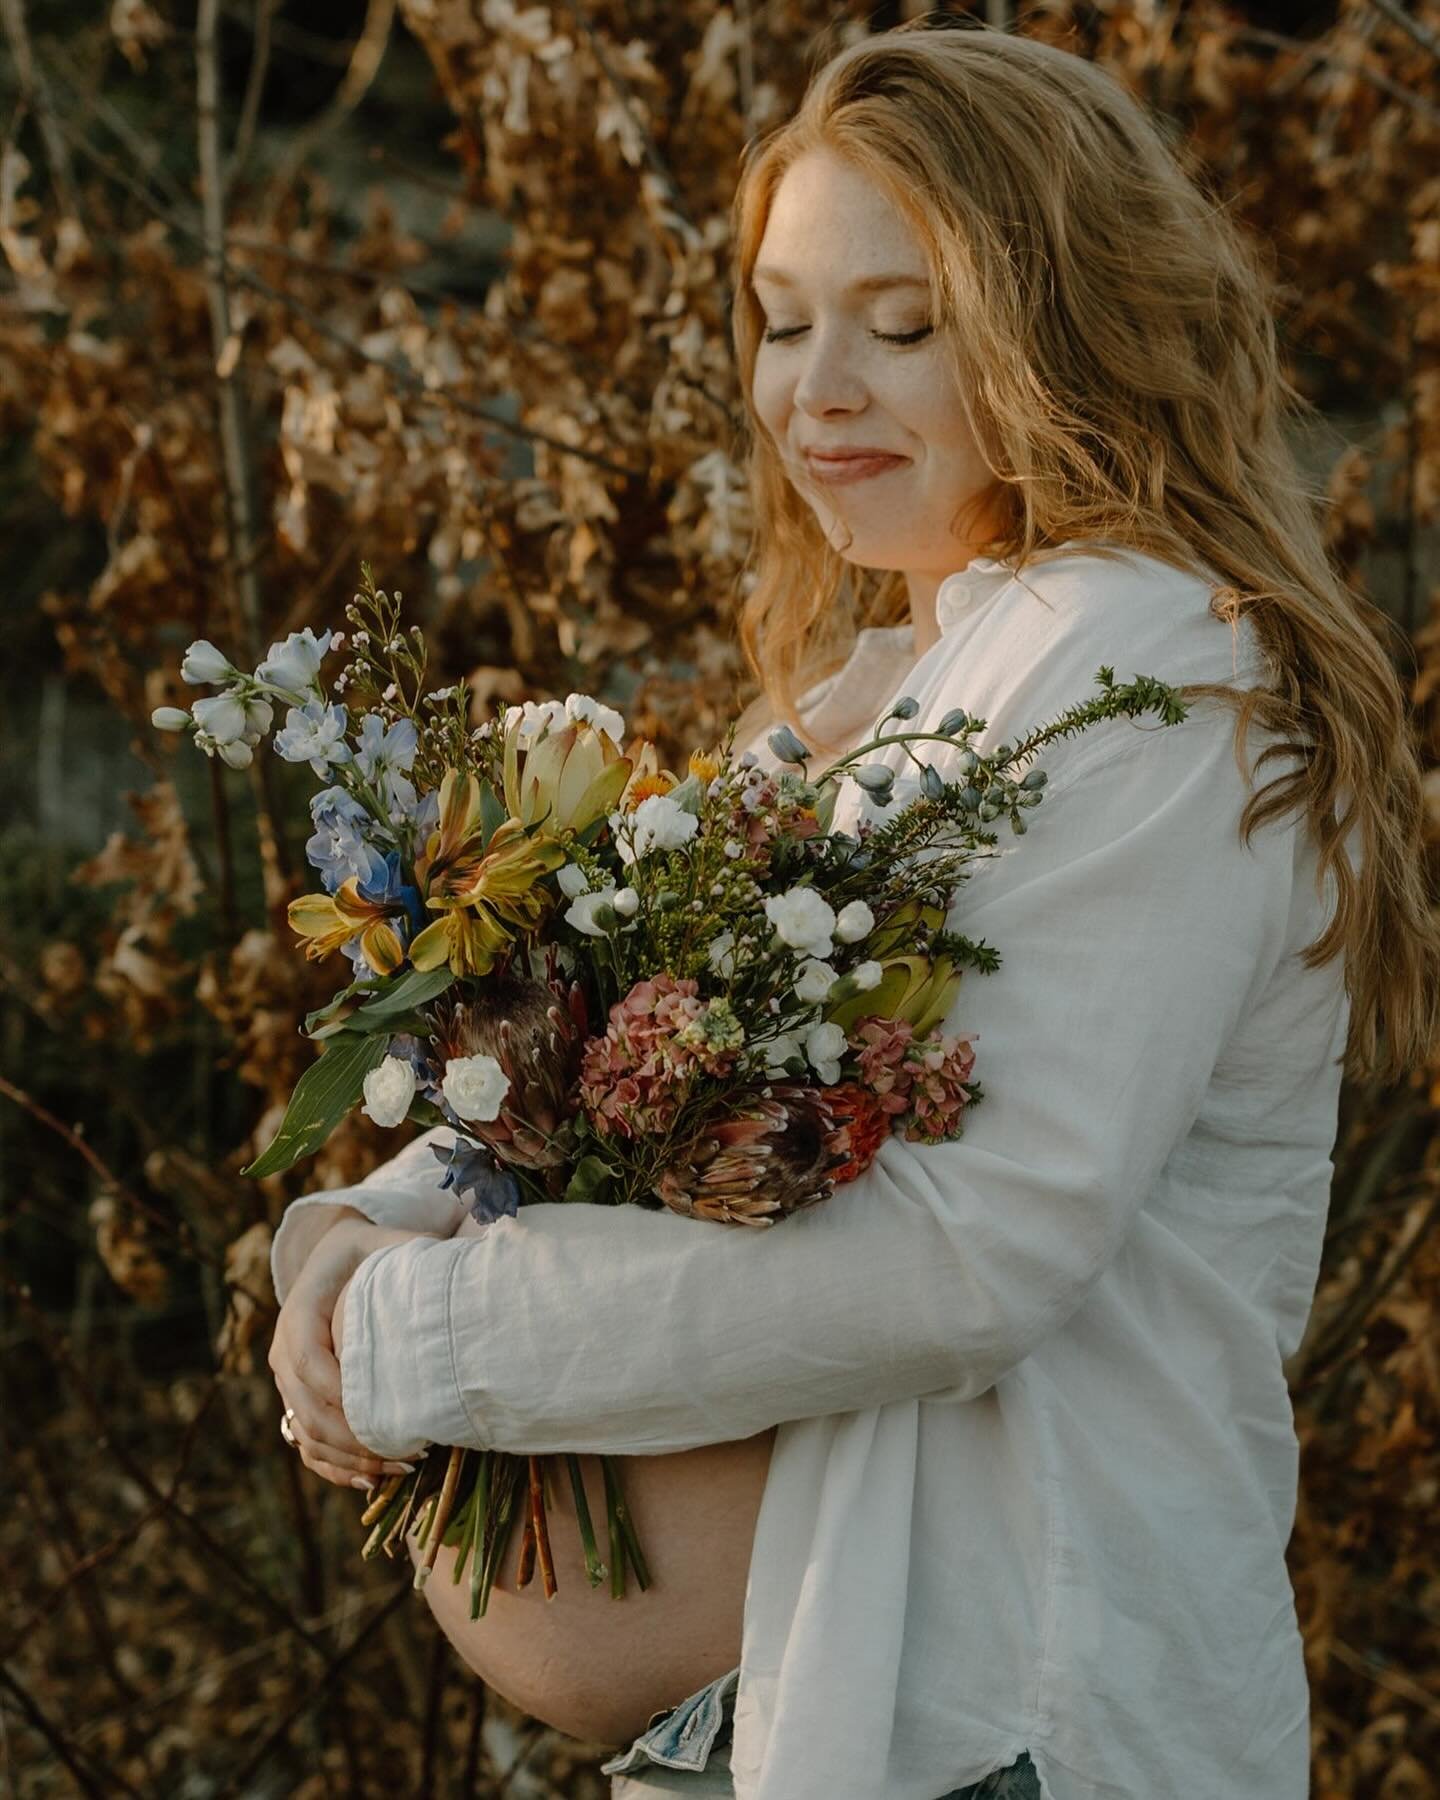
[
  {"x": 339, "y": 848},
  {"x": 314, "y": 733},
  {"x": 471, "y": 1168},
  {"x": 384, "y": 757}
]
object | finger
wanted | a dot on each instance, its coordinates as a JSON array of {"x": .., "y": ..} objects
[
  {"x": 332, "y": 1472},
  {"x": 323, "y": 1431},
  {"x": 318, "y": 1373}
]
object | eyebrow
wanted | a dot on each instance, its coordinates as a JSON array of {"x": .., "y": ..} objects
[{"x": 869, "y": 284}]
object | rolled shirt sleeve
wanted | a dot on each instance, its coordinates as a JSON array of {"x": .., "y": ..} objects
[
  {"x": 1135, "y": 928},
  {"x": 404, "y": 1192}
]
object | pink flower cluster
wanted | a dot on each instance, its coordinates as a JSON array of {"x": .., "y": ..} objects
[
  {"x": 633, "y": 1079},
  {"x": 921, "y": 1082}
]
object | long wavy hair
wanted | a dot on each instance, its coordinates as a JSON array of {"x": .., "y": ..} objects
[{"x": 1114, "y": 336}]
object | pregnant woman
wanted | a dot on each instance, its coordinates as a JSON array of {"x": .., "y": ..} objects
[{"x": 978, "y": 1478}]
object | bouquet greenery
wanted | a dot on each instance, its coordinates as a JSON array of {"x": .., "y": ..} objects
[{"x": 619, "y": 984}]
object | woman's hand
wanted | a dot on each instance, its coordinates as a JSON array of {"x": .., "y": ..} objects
[{"x": 305, "y": 1349}]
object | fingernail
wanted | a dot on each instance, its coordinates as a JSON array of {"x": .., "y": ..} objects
[
  {"x": 362, "y": 1481},
  {"x": 396, "y": 1468}
]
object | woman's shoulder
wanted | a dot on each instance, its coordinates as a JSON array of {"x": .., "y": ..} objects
[{"x": 1037, "y": 648}]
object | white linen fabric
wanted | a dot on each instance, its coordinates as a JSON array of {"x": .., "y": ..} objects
[{"x": 1036, "y": 1466}]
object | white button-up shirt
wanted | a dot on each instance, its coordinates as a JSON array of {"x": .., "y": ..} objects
[{"x": 1036, "y": 1466}]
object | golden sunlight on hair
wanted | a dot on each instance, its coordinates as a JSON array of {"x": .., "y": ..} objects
[{"x": 1115, "y": 336}]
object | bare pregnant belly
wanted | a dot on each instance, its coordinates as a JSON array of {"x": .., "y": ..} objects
[{"x": 594, "y": 1667}]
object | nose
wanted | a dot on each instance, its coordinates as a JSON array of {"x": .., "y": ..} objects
[{"x": 828, "y": 382}]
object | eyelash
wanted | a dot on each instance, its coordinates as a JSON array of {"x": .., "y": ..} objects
[{"x": 772, "y": 336}]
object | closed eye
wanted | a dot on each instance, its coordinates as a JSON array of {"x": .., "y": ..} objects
[{"x": 886, "y": 337}]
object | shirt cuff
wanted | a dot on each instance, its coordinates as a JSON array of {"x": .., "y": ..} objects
[{"x": 398, "y": 1391}]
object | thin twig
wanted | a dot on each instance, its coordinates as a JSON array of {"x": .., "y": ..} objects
[
  {"x": 240, "y": 1780},
  {"x": 360, "y": 72},
  {"x": 36, "y": 92},
  {"x": 254, "y": 90},
  {"x": 402, "y": 376},
  {"x": 111, "y": 1779},
  {"x": 1422, "y": 34},
  {"x": 1255, "y": 34}
]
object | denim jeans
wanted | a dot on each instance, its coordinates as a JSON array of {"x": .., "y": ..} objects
[{"x": 685, "y": 1753}]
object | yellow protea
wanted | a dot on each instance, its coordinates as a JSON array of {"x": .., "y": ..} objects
[
  {"x": 484, "y": 897},
  {"x": 568, "y": 778},
  {"x": 646, "y": 778},
  {"x": 920, "y": 989},
  {"x": 704, "y": 766},
  {"x": 327, "y": 921}
]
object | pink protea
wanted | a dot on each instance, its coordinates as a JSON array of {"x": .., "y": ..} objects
[{"x": 633, "y": 1079}]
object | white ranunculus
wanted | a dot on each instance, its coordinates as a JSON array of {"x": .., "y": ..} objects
[
  {"x": 203, "y": 662},
  {"x": 582, "y": 709},
  {"x": 657, "y": 823},
  {"x": 170, "y": 718},
  {"x": 815, "y": 980},
  {"x": 804, "y": 920},
  {"x": 867, "y": 975},
  {"x": 221, "y": 717},
  {"x": 389, "y": 1091},
  {"x": 581, "y": 911},
  {"x": 855, "y": 922},
  {"x": 474, "y": 1086},
  {"x": 294, "y": 664},
  {"x": 825, "y": 1045},
  {"x": 571, "y": 880}
]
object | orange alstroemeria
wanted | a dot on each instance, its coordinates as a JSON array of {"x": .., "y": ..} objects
[{"x": 327, "y": 921}]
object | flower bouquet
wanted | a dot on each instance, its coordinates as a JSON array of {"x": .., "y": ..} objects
[{"x": 618, "y": 984}]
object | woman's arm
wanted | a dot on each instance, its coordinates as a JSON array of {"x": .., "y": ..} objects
[
  {"x": 404, "y": 1193},
  {"x": 1136, "y": 930}
]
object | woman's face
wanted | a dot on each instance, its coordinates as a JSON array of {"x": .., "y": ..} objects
[{"x": 851, "y": 360}]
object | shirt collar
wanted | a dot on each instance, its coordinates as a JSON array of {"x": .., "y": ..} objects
[{"x": 960, "y": 593}]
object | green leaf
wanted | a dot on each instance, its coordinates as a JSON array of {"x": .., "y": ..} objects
[
  {"x": 592, "y": 1175},
  {"x": 492, "y": 813},
  {"x": 323, "y": 1095},
  {"x": 339, "y": 1010},
  {"x": 403, "y": 995}
]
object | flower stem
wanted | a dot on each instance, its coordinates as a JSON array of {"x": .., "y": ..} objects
[
  {"x": 477, "y": 1529},
  {"x": 435, "y": 1530},
  {"x": 594, "y": 1568}
]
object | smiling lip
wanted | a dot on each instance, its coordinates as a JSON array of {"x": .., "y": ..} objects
[{"x": 843, "y": 467}]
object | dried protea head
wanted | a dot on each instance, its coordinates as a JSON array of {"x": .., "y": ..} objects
[
  {"x": 775, "y": 1156},
  {"x": 535, "y": 1032}
]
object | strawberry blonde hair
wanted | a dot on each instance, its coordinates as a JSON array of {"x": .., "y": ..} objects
[{"x": 1116, "y": 345}]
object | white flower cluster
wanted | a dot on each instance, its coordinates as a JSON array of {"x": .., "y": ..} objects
[
  {"x": 657, "y": 823},
  {"x": 534, "y": 718},
  {"x": 822, "y": 1046},
  {"x": 474, "y": 1086}
]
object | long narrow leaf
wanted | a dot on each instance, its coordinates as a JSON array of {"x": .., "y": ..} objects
[{"x": 323, "y": 1095}]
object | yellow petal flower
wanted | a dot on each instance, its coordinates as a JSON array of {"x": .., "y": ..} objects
[{"x": 330, "y": 920}]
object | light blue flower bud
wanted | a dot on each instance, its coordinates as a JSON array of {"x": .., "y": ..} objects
[
  {"x": 170, "y": 718},
  {"x": 931, "y": 782},
  {"x": 954, "y": 721},
  {"x": 1035, "y": 779},
  {"x": 787, "y": 746},
  {"x": 904, "y": 708},
  {"x": 875, "y": 778},
  {"x": 970, "y": 798},
  {"x": 203, "y": 662}
]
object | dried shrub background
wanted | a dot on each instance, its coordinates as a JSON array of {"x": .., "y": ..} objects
[{"x": 228, "y": 370}]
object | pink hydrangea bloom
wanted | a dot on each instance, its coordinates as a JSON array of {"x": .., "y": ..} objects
[{"x": 633, "y": 1080}]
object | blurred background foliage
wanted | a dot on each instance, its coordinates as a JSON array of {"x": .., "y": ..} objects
[{"x": 444, "y": 286}]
